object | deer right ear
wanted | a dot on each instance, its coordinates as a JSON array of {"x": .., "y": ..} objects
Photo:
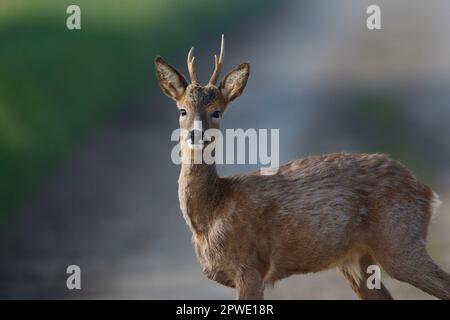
[
  {"x": 234, "y": 82},
  {"x": 172, "y": 82}
]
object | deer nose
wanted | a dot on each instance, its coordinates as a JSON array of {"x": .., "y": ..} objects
[{"x": 195, "y": 136}]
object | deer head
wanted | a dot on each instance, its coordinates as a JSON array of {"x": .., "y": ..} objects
[{"x": 201, "y": 107}]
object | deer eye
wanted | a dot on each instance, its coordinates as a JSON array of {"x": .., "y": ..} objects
[
  {"x": 216, "y": 114},
  {"x": 183, "y": 112}
]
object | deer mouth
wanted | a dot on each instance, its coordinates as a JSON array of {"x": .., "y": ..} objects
[{"x": 198, "y": 145}]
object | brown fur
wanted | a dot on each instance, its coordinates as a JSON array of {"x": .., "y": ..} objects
[{"x": 338, "y": 210}]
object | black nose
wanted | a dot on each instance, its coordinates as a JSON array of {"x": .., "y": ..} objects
[{"x": 195, "y": 136}]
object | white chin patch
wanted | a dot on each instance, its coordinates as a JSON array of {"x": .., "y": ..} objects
[{"x": 195, "y": 146}]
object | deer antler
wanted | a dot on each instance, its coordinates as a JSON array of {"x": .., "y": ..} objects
[
  {"x": 218, "y": 63},
  {"x": 190, "y": 63}
]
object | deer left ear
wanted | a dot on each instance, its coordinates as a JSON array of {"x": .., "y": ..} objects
[
  {"x": 171, "y": 81},
  {"x": 234, "y": 82}
]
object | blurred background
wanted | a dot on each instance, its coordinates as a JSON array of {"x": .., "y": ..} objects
[{"x": 85, "y": 170}]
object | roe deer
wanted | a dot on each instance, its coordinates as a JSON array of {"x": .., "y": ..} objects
[{"x": 339, "y": 210}]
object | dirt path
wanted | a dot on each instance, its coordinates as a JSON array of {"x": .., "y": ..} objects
[{"x": 113, "y": 208}]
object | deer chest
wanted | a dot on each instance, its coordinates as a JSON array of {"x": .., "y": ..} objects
[{"x": 214, "y": 255}]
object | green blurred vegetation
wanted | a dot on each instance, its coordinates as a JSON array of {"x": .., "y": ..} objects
[{"x": 57, "y": 85}]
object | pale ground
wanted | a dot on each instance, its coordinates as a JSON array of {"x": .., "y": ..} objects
[{"x": 113, "y": 208}]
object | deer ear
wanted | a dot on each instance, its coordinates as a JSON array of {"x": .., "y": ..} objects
[
  {"x": 170, "y": 80},
  {"x": 234, "y": 82}
]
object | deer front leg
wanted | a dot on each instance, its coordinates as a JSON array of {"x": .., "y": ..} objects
[{"x": 249, "y": 285}]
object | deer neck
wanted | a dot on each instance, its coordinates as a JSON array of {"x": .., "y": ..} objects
[{"x": 197, "y": 189}]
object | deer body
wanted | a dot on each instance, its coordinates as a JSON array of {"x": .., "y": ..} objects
[{"x": 340, "y": 210}]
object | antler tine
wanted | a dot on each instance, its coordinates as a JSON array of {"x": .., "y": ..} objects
[
  {"x": 218, "y": 63},
  {"x": 191, "y": 68}
]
